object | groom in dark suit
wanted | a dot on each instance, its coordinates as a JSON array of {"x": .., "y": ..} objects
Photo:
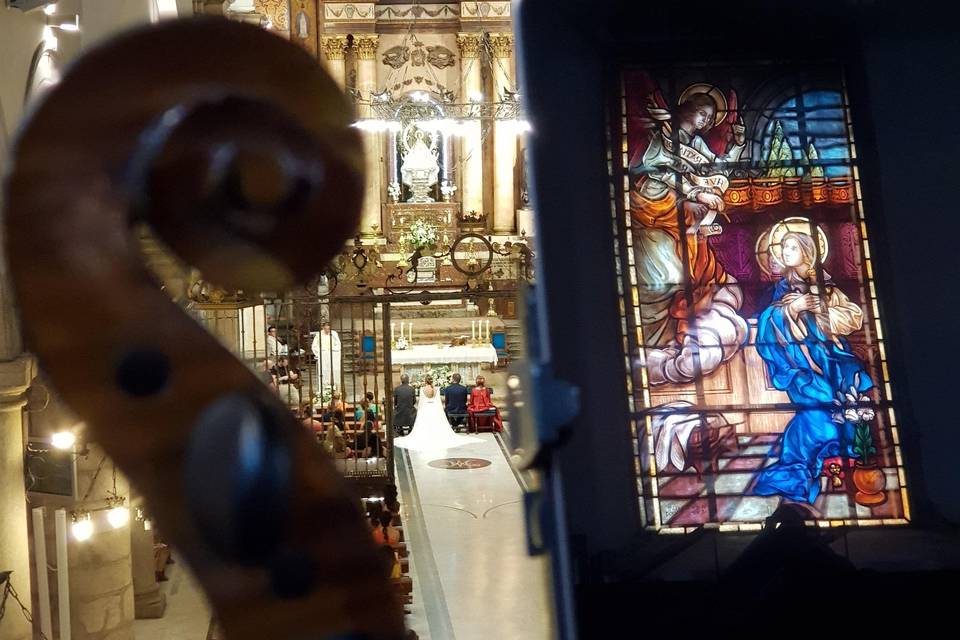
[
  {"x": 404, "y": 406},
  {"x": 456, "y": 402}
]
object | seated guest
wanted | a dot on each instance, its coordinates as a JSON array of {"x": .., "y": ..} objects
[
  {"x": 333, "y": 440},
  {"x": 335, "y": 404},
  {"x": 390, "y": 562},
  {"x": 373, "y": 511},
  {"x": 366, "y": 444},
  {"x": 482, "y": 411},
  {"x": 367, "y": 404},
  {"x": 386, "y": 533},
  {"x": 309, "y": 421},
  {"x": 266, "y": 374},
  {"x": 287, "y": 380},
  {"x": 455, "y": 401}
]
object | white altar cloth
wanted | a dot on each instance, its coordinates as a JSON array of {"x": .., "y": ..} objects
[{"x": 434, "y": 354}]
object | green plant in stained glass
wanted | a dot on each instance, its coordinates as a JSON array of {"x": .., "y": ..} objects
[
  {"x": 812, "y": 157},
  {"x": 863, "y": 442},
  {"x": 780, "y": 155}
]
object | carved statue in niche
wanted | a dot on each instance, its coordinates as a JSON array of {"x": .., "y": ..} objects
[
  {"x": 420, "y": 168},
  {"x": 303, "y": 28}
]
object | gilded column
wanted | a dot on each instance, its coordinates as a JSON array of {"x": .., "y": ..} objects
[
  {"x": 333, "y": 57},
  {"x": 366, "y": 45},
  {"x": 504, "y": 139},
  {"x": 471, "y": 153}
]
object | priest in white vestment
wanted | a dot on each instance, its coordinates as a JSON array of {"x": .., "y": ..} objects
[
  {"x": 275, "y": 348},
  {"x": 326, "y": 347}
]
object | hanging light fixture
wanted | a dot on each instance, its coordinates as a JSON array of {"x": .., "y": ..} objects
[
  {"x": 82, "y": 526},
  {"x": 118, "y": 515}
]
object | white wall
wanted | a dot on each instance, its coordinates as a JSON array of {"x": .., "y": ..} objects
[
  {"x": 102, "y": 18},
  {"x": 20, "y": 34}
]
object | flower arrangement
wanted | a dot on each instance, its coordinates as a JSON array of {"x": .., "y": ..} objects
[
  {"x": 868, "y": 478},
  {"x": 849, "y": 408},
  {"x": 401, "y": 343},
  {"x": 421, "y": 235},
  {"x": 323, "y": 397},
  {"x": 440, "y": 373}
]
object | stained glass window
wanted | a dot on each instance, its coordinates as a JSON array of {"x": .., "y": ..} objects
[{"x": 754, "y": 348}]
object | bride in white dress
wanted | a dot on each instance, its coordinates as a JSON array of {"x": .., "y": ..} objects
[{"x": 431, "y": 431}]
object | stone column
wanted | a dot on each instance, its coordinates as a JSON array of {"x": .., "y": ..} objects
[
  {"x": 504, "y": 139},
  {"x": 333, "y": 58},
  {"x": 101, "y": 573},
  {"x": 471, "y": 152},
  {"x": 16, "y": 374},
  {"x": 370, "y": 221},
  {"x": 148, "y": 600},
  {"x": 15, "y": 377}
]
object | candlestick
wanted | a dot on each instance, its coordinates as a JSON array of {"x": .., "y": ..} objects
[
  {"x": 473, "y": 330},
  {"x": 392, "y": 324},
  {"x": 488, "y": 331},
  {"x": 410, "y": 333}
]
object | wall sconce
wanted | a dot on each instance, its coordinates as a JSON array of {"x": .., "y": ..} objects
[
  {"x": 63, "y": 440},
  {"x": 62, "y": 21}
]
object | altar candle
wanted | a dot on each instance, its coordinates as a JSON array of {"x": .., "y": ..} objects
[
  {"x": 410, "y": 333},
  {"x": 473, "y": 329},
  {"x": 392, "y": 324},
  {"x": 488, "y": 331}
]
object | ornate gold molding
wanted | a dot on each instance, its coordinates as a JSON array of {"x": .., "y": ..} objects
[
  {"x": 277, "y": 11},
  {"x": 485, "y": 10},
  {"x": 348, "y": 12},
  {"x": 367, "y": 46},
  {"x": 333, "y": 47},
  {"x": 469, "y": 44},
  {"x": 502, "y": 44}
]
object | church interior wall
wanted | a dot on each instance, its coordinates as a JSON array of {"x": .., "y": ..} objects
[{"x": 20, "y": 34}]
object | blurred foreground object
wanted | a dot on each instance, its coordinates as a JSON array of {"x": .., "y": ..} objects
[{"x": 227, "y": 142}]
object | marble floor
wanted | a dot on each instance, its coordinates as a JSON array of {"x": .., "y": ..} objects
[
  {"x": 471, "y": 573},
  {"x": 187, "y": 616},
  {"x": 472, "y": 577}
]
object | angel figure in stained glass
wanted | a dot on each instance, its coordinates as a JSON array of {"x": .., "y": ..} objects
[{"x": 678, "y": 181}]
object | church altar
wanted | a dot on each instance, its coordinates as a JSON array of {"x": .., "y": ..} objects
[{"x": 465, "y": 360}]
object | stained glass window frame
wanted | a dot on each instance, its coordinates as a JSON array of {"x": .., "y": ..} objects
[{"x": 636, "y": 374}]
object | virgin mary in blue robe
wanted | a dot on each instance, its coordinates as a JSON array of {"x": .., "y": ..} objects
[{"x": 800, "y": 337}]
